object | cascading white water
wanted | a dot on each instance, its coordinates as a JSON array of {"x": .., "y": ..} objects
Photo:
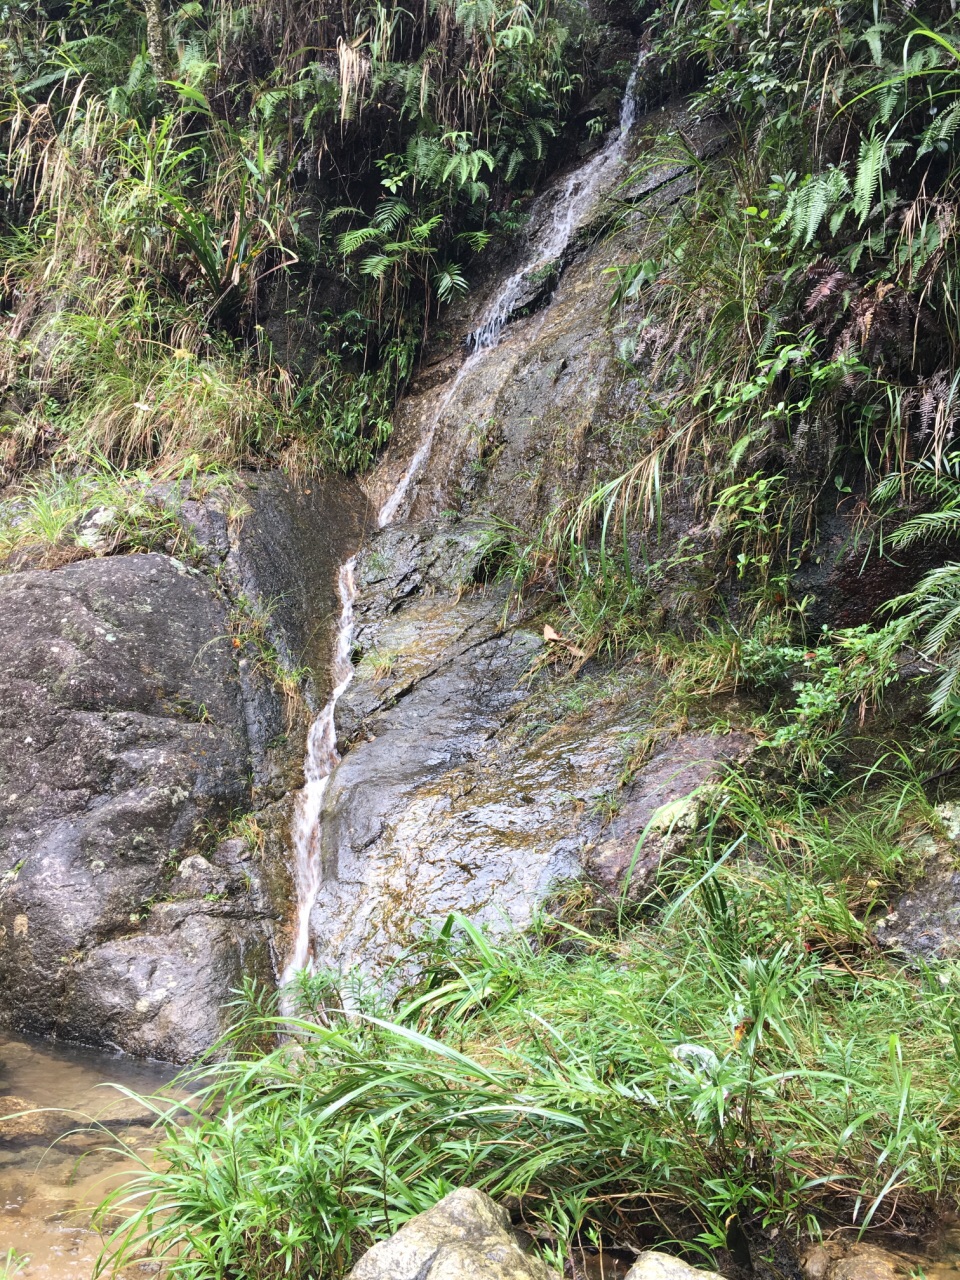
[
  {"x": 389, "y": 510},
  {"x": 321, "y": 758},
  {"x": 569, "y": 205}
]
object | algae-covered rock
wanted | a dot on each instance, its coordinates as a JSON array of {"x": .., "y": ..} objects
[
  {"x": 465, "y": 1236},
  {"x": 22, "y": 1122},
  {"x": 661, "y": 807}
]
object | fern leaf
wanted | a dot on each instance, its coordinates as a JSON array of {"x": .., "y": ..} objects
[
  {"x": 930, "y": 526},
  {"x": 350, "y": 241},
  {"x": 376, "y": 266},
  {"x": 870, "y": 166}
]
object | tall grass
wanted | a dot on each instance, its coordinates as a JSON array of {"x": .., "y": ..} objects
[{"x": 740, "y": 1053}]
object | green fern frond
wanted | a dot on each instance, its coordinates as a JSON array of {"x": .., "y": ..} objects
[
  {"x": 390, "y": 213},
  {"x": 931, "y": 526},
  {"x": 871, "y": 164},
  {"x": 941, "y": 130},
  {"x": 376, "y": 265},
  {"x": 350, "y": 241},
  {"x": 810, "y": 203}
]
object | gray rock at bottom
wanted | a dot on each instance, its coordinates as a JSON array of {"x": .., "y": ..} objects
[
  {"x": 840, "y": 1260},
  {"x": 123, "y": 748},
  {"x": 662, "y": 1266},
  {"x": 465, "y": 1236}
]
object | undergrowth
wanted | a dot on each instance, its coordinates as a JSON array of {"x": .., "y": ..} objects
[
  {"x": 225, "y": 233},
  {"x": 739, "y": 1053}
]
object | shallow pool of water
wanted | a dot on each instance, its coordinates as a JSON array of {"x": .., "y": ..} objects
[{"x": 72, "y": 1137}]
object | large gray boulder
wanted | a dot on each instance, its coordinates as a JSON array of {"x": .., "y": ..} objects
[
  {"x": 465, "y": 1236},
  {"x": 123, "y": 749}
]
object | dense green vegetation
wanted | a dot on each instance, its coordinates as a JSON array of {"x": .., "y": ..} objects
[
  {"x": 739, "y": 1057},
  {"x": 225, "y": 235},
  {"x": 734, "y": 1055}
]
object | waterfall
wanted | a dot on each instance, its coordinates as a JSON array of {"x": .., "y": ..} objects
[
  {"x": 320, "y": 761},
  {"x": 568, "y": 204}
]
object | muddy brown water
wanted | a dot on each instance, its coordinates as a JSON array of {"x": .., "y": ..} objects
[{"x": 72, "y": 1137}]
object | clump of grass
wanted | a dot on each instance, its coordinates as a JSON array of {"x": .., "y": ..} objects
[
  {"x": 247, "y": 828},
  {"x": 251, "y": 619},
  {"x": 12, "y": 1264},
  {"x": 741, "y": 1053},
  {"x": 64, "y": 514},
  {"x": 378, "y": 664}
]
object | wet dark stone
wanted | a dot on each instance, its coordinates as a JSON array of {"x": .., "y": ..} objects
[
  {"x": 925, "y": 919},
  {"x": 122, "y": 739},
  {"x": 287, "y": 553}
]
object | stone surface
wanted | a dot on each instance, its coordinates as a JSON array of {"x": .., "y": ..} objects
[
  {"x": 460, "y": 788},
  {"x": 455, "y": 792},
  {"x": 661, "y": 807},
  {"x": 838, "y": 1260},
  {"x": 663, "y": 1266},
  {"x": 465, "y": 1236},
  {"x": 122, "y": 742},
  {"x": 21, "y": 1121},
  {"x": 925, "y": 919},
  {"x": 284, "y": 552}
]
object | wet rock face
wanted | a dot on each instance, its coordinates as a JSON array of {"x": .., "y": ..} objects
[
  {"x": 925, "y": 920},
  {"x": 451, "y": 796},
  {"x": 457, "y": 791},
  {"x": 465, "y": 1236},
  {"x": 285, "y": 552},
  {"x": 660, "y": 808},
  {"x": 527, "y": 424},
  {"x": 122, "y": 738}
]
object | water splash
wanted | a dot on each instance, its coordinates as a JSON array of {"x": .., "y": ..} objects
[{"x": 569, "y": 204}]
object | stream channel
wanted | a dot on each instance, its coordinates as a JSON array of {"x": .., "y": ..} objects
[{"x": 70, "y": 1139}]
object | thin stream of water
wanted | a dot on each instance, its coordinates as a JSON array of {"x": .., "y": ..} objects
[
  {"x": 568, "y": 206},
  {"x": 321, "y": 759}
]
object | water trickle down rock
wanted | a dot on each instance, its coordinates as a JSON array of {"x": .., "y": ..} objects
[
  {"x": 321, "y": 759},
  {"x": 456, "y": 791}
]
